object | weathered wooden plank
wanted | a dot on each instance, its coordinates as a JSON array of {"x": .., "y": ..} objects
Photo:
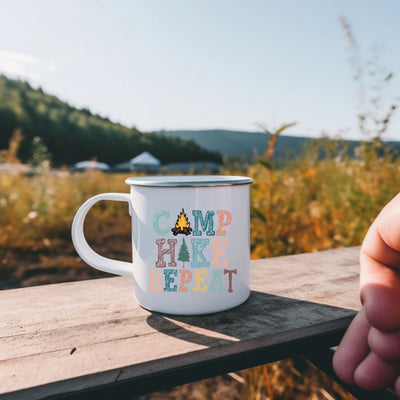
[
  {"x": 68, "y": 337},
  {"x": 182, "y": 347},
  {"x": 326, "y": 277},
  {"x": 28, "y": 310},
  {"x": 329, "y": 277},
  {"x": 134, "y": 380}
]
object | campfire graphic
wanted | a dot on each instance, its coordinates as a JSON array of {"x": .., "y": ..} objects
[{"x": 182, "y": 225}]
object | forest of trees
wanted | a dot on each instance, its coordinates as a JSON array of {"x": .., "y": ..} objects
[{"x": 72, "y": 135}]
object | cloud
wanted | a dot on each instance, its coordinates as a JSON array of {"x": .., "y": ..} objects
[{"x": 20, "y": 65}]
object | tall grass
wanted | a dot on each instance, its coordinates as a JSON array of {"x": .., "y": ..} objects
[
  {"x": 318, "y": 204},
  {"x": 38, "y": 211},
  {"x": 309, "y": 205}
]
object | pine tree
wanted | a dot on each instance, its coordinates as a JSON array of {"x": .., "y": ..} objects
[{"x": 183, "y": 253}]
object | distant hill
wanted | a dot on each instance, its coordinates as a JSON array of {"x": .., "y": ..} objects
[
  {"x": 237, "y": 144},
  {"x": 243, "y": 145},
  {"x": 72, "y": 134}
]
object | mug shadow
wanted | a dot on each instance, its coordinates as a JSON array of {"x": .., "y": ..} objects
[{"x": 261, "y": 315}]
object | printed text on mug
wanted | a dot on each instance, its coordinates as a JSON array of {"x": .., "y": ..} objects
[{"x": 192, "y": 257}]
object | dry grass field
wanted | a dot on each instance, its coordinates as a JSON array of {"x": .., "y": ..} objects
[{"x": 309, "y": 205}]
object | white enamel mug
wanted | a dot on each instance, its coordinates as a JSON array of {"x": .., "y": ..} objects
[{"x": 190, "y": 242}]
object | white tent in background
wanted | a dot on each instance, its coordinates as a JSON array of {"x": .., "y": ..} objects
[
  {"x": 88, "y": 165},
  {"x": 145, "y": 162}
]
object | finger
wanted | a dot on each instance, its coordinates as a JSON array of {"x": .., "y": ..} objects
[
  {"x": 380, "y": 268},
  {"x": 374, "y": 373},
  {"x": 385, "y": 344},
  {"x": 388, "y": 229},
  {"x": 397, "y": 386},
  {"x": 382, "y": 241},
  {"x": 381, "y": 300},
  {"x": 353, "y": 348}
]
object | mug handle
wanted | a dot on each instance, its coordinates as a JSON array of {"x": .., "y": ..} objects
[{"x": 81, "y": 245}]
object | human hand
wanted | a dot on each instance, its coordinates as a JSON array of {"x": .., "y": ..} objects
[{"x": 369, "y": 353}]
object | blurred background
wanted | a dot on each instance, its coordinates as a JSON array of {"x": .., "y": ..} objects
[
  {"x": 300, "y": 95},
  {"x": 174, "y": 65}
]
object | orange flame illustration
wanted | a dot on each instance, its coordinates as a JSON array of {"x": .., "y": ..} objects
[
  {"x": 182, "y": 224},
  {"x": 182, "y": 221}
]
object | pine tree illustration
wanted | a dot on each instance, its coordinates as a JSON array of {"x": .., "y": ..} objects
[{"x": 183, "y": 253}]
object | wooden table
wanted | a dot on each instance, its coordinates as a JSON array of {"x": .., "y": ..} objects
[{"x": 91, "y": 338}]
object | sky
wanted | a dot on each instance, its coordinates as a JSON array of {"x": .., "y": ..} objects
[{"x": 209, "y": 64}]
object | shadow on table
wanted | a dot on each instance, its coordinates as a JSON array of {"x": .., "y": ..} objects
[{"x": 260, "y": 316}]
